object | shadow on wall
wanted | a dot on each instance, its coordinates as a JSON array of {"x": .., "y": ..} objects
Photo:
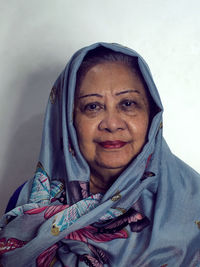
[
  {"x": 22, "y": 153},
  {"x": 21, "y": 157}
]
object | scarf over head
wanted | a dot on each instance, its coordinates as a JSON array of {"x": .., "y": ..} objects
[{"x": 150, "y": 216}]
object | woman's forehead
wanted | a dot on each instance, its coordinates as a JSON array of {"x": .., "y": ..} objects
[{"x": 110, "y": 76}]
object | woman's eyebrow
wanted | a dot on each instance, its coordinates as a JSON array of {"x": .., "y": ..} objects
[
  {"x": 128, "y": 91},
  {"x": 83, "y": 96},
  {"x": 119, "y": 93}
]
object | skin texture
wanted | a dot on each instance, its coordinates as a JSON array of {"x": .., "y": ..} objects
[{"x": 110, "y": 105}]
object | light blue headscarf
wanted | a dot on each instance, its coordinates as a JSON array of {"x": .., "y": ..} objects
[{"x": 150, "y": 216}]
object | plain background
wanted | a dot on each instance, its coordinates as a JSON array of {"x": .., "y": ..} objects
[{"x": 38, "y": 38}]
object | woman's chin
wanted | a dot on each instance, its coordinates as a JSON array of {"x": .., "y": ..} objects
[
  {"x": 118, "y": 161},
  {"x": 110, "y": 168}
]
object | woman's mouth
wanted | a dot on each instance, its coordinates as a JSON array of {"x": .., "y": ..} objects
[{"x": 112, "y": 144}]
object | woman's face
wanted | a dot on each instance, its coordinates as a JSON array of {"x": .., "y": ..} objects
[{"x": 111, "y": 117}]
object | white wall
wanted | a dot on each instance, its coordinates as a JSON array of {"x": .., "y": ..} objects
[{"x": 37, "y": 39}]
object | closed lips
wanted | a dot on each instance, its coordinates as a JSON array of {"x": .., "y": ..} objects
[{"x": 112, "y": 144}]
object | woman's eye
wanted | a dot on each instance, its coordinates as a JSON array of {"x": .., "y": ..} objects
[
  {"x": 92, "y": 107},
  {"x": 128, "y": 104}
]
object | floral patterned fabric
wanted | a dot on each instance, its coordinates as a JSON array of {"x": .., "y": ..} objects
[{"x": 149, "y": 217}]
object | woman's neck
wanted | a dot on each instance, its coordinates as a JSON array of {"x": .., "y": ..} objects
[{"x": 100, "y": 183}]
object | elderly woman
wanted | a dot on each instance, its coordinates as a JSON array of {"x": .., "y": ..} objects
[{"x": 107, "y": 190}]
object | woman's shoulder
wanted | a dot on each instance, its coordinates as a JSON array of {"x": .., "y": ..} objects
[
  {"x": 177, "y": 166},
  {"x": 185, "y": 169}
]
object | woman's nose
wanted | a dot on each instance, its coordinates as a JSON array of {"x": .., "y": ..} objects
[{"x": 112, "y": 122}]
